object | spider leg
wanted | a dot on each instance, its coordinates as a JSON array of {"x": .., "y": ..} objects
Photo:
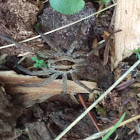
[
  {"x": 75, "y": 44},
  {"x": 33, "y": 73},
  {"x": 71, "y": 48},
  {"x": 74, "y": 78},
  {"x": 79, "y": 54},
  {"x": 50, "y": 43},
  {"x": 64, "y": 78},
  {"x": 11, "y": 41},
  {"x": 48, "y": 80}
]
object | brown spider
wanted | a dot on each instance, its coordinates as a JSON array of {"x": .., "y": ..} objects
[{"x": 58, "y": 62}]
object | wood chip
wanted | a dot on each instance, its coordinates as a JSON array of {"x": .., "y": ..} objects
[
  {"x": 127, "y": 19},
  {"x": 10, "y": 79}
]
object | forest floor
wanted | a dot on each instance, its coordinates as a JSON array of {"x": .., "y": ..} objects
[{"x": 77, "y": 64}]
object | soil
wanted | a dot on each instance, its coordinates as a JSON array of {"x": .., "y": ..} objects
[
  {"x": 8, "y": 116},
  {"x": 53, "y": 117},
  {"x": 17, "y": 19},
  {"x": 46, "y": 120}
]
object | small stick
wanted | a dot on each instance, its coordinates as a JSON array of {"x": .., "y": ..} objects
[{"x": 89, "y": 113}]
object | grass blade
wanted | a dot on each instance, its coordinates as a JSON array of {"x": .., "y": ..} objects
[{"x": 114, "y": 128}]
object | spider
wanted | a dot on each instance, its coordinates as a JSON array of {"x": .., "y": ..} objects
[{"x": 59, "y": 62}]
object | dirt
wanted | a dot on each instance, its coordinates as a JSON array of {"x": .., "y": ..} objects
[
  {"x": 8, "y": 116},
  {"x": 93, "y": 71},
  {"x": 17, "y": 19},
  {"x": 53, "y": 117},
  {"x": 50, "y": 19}
]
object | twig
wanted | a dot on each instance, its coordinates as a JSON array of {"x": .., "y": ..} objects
[
  {"x": 89, "y": 113},
  {"x": 35, "y": 37},
  {"x": 97, "y": 101}
]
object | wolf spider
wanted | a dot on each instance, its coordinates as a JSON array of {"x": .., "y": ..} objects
[{"x": 60, "y": 63}]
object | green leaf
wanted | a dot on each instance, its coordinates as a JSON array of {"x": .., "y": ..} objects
[
  {"x": 44, "y": 65},
  {"x": 41, "y": 61},
  {"x": 98, "y": 1},
  {"x": 39, "y": 65},
  {"x": 136, "y": 51},
  {"x": 135, "y": 88},
  {"x": 96, "y": 95},
  {"x": 35, "y": 65},
  {"x": 106, "y": 2},
  {"x": 114, "y": 128},
  {"x": 35, "y": 58},
  {"x": 67, "y": 7},
  {"x": 101, "y": 110},
  {"x": 37, "y": 25}
]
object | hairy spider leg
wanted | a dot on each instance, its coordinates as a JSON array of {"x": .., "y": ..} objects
[
  {"x": 45, "y": 82},
  {"x": 71, "y": 49},
  {"x": 34, "y": 73},
  {"x": 79, "y": 54},
  {"x": 74, "y": 78},
  {"x": 11, "y": 41},
  {"x": 50, "y": 43},
  {"x": 64, "y": 78}
]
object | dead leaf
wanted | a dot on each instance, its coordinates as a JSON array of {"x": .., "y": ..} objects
[
  {"x": 107, "y": 47},
  {"x": 106, "y": 52}
]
